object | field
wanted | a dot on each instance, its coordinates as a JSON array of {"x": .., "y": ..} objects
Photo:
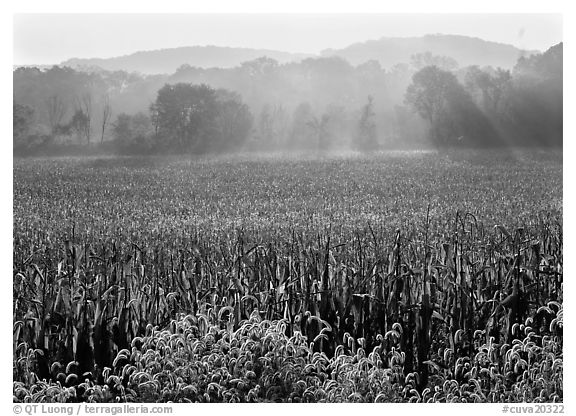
[{"x": 406, "y": 276}]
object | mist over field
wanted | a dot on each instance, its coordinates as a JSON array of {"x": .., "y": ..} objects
[
  {"x": 428, "y": 92},
  {"x": 381, "y": 222}
]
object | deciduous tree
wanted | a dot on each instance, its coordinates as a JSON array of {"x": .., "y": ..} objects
[
  {"x": 22, "y": 117},
  {"x": 366, "y": 138},
  {"x": 106, "y": 114},
  {"x": 56, "y": 110}
]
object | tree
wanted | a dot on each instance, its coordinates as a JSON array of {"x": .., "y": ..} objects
[
  {"x": 366, "y": 138},
  {"x": 80, "y": 124},
  {"x": 338, "y": 126},
  {"x": 133, "y": 133},
  {"x": 129, "y": 127},
  {"x": 422, "y": 60},
  {"x": 371, "y": 79},
  {"x": 106, "y": 114},
  {"x": 22, "y": 117},
  {"x": 233, "y": 121},
  {"x": 544, "y": 66},
  {"x": 272, "y": 125},
  {"x": 488, "y": 87},
  {"x": 256, "y": 76},
  {"x": 155, "y": 119},
  {"x": 453, "y": 116},
  {"x": 536, "y": 102},
  {"x": 328, "y": 79},
  {"x": 82, "y": 118},
  {"x": 267, "y": 135},
  {"x": 301, "y": 135},
  {"x": 197, "y": 118},
  {"x": 56, "y": 110},
  {"x": 320, "y": 128},
  {"x": 259, "y": 67},
  {"x": 122, "y": 128},
  {"x": 186, "y": 115},
  {"x": 430, "y": 94}
]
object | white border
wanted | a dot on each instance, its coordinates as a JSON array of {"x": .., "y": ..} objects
[{"x": 299, "y": 6}]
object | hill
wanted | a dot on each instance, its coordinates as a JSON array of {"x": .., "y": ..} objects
[
  {"x": 388, "y": 51},
  {"x": 166, "y": 61},
  {"x": 465, "y": 50}
]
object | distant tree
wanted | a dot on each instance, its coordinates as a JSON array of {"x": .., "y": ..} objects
[
  {"x": 320, "y": 128},
  {"x": 80, "y": 125},
  {"x": 233, "y": 121},
  {"x": 56, "y": 110},
  {"x": 122, "y": 128},
  {"x": 82, "y": 118},
  {"x": 489, "y": 88},
  {"x": 106, "y": 114},
  {"x": 141, "y": 126},
  {"x": 535, "y": 103},
  {"x": 133, "y": 133},
  {"x": 366, "y": 138},
  {"x": 328, "y": 67},
  {"x": 338, "y": 129},
  {"x": 430, "y": 94},
  {"x": 272, "y": 125},
  {"x": 186, "y": 116},
  {"x": 259, "y": 67},
  {"x": 155, "y": 119},
  {"x": 544, "y": 66},
  {"x": 266, "y": 126},
  {"x": 453, "y": 116},
  {"x": 22, "y": 117},
  {"x": 256, "y": 76},
  {"x": 370, "y": 70},
  {"x": 371, "y": 79},
  {"x": 422, "y": 60},
  {"x": 397, "y": 80},
  {"x": 301, "y": 136},
  {"x": 197, "y": 118},
  {"x": 328, "y": 80}
]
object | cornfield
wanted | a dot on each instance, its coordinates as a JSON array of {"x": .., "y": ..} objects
[{"x": 392, "y": 278}]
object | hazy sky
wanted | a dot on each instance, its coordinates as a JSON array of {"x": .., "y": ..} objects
[{"x": 53, "y": 38}]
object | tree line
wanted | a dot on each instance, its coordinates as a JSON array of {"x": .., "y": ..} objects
[{"x": 319, "y": 103}]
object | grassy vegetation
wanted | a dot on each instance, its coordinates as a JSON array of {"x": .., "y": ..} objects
[{"x": 398, "y": 277}]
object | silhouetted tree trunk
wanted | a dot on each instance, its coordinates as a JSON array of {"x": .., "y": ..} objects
[
  {"x": 84, "y": 106},
  {"x": 106, "y": 114}
]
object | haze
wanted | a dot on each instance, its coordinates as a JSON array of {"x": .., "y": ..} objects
[{"x": 53, "y": 38}]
